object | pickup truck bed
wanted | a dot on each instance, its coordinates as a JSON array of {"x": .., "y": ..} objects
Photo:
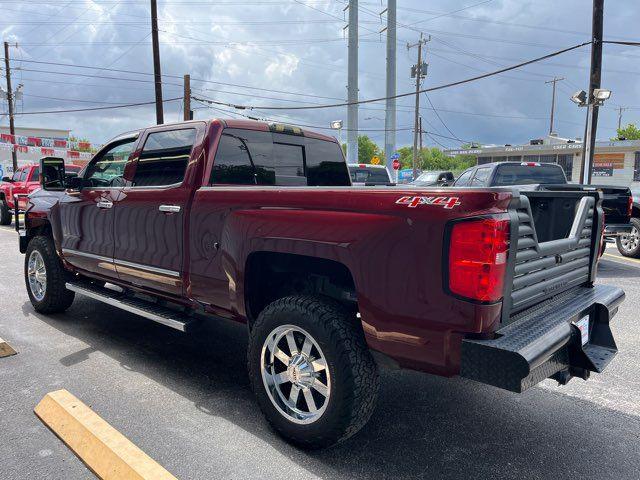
[{"x": 494, "y": 284}]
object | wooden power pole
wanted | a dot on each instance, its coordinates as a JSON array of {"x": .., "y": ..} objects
[
  {"x": 12, "y": 128},
  {"x": 419, "y": 73},
  {"x": 187, "y": 114},
  {"x": 157, "y": 75},
  {"x": 553, "y": 101}
]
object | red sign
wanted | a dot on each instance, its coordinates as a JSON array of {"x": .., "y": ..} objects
[
  {"x": 73, "y": 154},
  {"x": 47, "y": 151},
  {"x": 60, "y": 143},
  {"x": 396, "y": 164}
]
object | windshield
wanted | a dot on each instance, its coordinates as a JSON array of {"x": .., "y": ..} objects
[
  {"x": 428, "y": 177},
  {"x": 512, "y": 174},
  {"x": 369, "y": 175}
]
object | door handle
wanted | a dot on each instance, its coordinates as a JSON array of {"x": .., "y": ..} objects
[
  {"x": 104, "y": 204},
  {"x": 169, "y": 208}
]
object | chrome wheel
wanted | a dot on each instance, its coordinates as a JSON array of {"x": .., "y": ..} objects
[
  {"x": 295, "y": 374},
  {"x": 37, "y": 274},
  {"x": 630, "y": 242}
]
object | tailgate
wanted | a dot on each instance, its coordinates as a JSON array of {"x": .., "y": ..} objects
[
  {"x": 554, "y": 239},
  {"x": 615, "y": 204}
]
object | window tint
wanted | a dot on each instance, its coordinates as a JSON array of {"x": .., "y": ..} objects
[
  {"x": 35, "y": 174},
  {"x": 288, "y": 160},
  {"x": 244, "y": 157},
  {"x": 325, "y": 164},
  {"x": 108, "y": 168},
  {"x": 250, "y": 157},
  {"x": 480, "y": 178},
  {"x": 463, "y": 180},
  {"x": 369, "y": 175},
  {"x": 164, "y": 158},
  {"x": 527, "y": 175}
]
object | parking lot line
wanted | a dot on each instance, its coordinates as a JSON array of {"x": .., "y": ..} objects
[
  {"x": 6, "y": 350},
  {"x": 108, "y": 453},
  {"x": 623, "y": 259}
]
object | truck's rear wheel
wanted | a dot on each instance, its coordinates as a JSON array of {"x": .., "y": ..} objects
[
  {"x": 311, "y": 370},
  {"x": 629, "y": 245},
  {"x": 45, "y": 277},
  {"x": 5, "y": 213}
]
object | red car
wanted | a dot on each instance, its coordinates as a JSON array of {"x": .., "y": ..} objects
[
  {"x": 228, "y": 219},
  {"x": 24, "y": 181}
]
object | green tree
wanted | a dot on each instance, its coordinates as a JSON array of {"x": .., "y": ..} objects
[
  {"x": 630, "y": 132},
  {"x": 367, "y": 149}
]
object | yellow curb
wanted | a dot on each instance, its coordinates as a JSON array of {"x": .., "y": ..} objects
[
  {"x": 108, "y": 453},
  {"x": 5, "y": 349},
  {"x": 622, "y": 259}
]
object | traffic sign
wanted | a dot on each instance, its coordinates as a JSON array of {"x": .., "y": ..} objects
[
  {"x": 375, "y": 161},
  {"x": 396, "y": 164},
  {"x": 395, "y": 156}
]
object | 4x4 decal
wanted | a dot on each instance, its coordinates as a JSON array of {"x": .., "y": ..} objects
[{"x": 413, "y": 202}]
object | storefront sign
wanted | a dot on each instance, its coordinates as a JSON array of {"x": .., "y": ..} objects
[{"x": 602, "y": 172}]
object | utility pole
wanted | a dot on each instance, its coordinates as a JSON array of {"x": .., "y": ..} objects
[
  {"x": 390, "y": 112},
  {"x": 420, "y": 124},
  {"x": 620, "y": 110},
  {"x": 187, "y": 114},
  {"x": 12, "y": 128},
  {"x": 157, "y": 75},
  {"x": 352, "y": 85},
  {"x": 553, "y": 100},
  {"x": 418, "y": 72},
  {"x": 594, "y": 83}
]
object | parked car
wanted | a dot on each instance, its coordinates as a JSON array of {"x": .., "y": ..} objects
[
  {"x": 434, "y": 178},
  {"x": 368, "y": 174},
  {"x": 629, "y": 243},
  {"x": 616, "y": 202},
  {"x": 257, "y": 223},
  {"x": 24, "y": 180}
]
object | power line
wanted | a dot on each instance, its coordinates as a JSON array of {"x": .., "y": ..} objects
[
  {"x": 431, "y": 89},
  {"x": 97, "y": 108},
  {"x": 440, "y": 118}
]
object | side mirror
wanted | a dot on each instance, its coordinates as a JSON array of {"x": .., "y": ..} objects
[
  {"x": 52, "y": 174},
  {"x": 7, "y": 179}
]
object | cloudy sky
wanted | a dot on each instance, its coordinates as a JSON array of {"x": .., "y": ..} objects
[{"x": 290, "y": 52}]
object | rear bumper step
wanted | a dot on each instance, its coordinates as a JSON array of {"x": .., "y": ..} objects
[
  {"x": 617, "y": 229},
  {"x": 145, "y": 308},
  {"x": 545, "y": 342}
]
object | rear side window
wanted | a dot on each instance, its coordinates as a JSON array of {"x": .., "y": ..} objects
[
  {"x": 35, "y": 174},
  {"x": 164, "y": 158},
  {"x": 325, "y": 164},
  {"x": 244, "y": 157},
  {"x": 527, "y": 175},
  {"x": 369, "y": 174},
  {"x": 480, "y": 178}
]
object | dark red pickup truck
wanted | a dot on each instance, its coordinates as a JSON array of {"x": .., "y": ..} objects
[{"x": 258, "y": 223}]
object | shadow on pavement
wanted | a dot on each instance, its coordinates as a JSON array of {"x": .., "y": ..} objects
[
  {"x": 424, "y": 426},
  {"x": 614, "y": 268}
]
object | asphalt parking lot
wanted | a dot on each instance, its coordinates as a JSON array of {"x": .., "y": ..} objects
[{"x": 185, "y": 400}]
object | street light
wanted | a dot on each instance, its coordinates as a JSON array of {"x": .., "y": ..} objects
[
  {"x": 337, "y": 125},
  {"x": 582, "y": 99}
]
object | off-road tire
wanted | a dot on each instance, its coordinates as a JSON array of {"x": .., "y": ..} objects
[
  {"x": 632, "y": 252},
  {"x": 354, "y": 374},
  {"x": 56, "y": 297},
  {"x": 5, "y": 213}
]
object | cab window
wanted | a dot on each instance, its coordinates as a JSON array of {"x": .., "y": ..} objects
[
  {"x": 480, "y": 178},
  {"x": 463, "y": 180},
  {"x": 107, "y": 169},
  {"x": 164, "y": 158}
]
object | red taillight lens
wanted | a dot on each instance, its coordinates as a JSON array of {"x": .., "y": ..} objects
[
  {"x": 478, "y": 258},
  {"x": 630, "y": 206}
]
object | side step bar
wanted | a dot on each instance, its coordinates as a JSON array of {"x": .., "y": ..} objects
[{"x": 144, "y": 308}]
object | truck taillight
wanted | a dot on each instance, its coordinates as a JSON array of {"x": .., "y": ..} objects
[
  {"x": 478, "y": 258},
  {"x": 630, "y": 206}
]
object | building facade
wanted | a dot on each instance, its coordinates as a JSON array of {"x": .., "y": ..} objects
[
  {"x": 615, "y": 162},
  {"x": 30, "y": 144}
]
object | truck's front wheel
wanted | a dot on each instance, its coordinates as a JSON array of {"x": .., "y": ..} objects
[
  {"x": 311, "y": 370},
  {"x": 5, "y": 213},
  {"x": 45, "y": 277}
]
